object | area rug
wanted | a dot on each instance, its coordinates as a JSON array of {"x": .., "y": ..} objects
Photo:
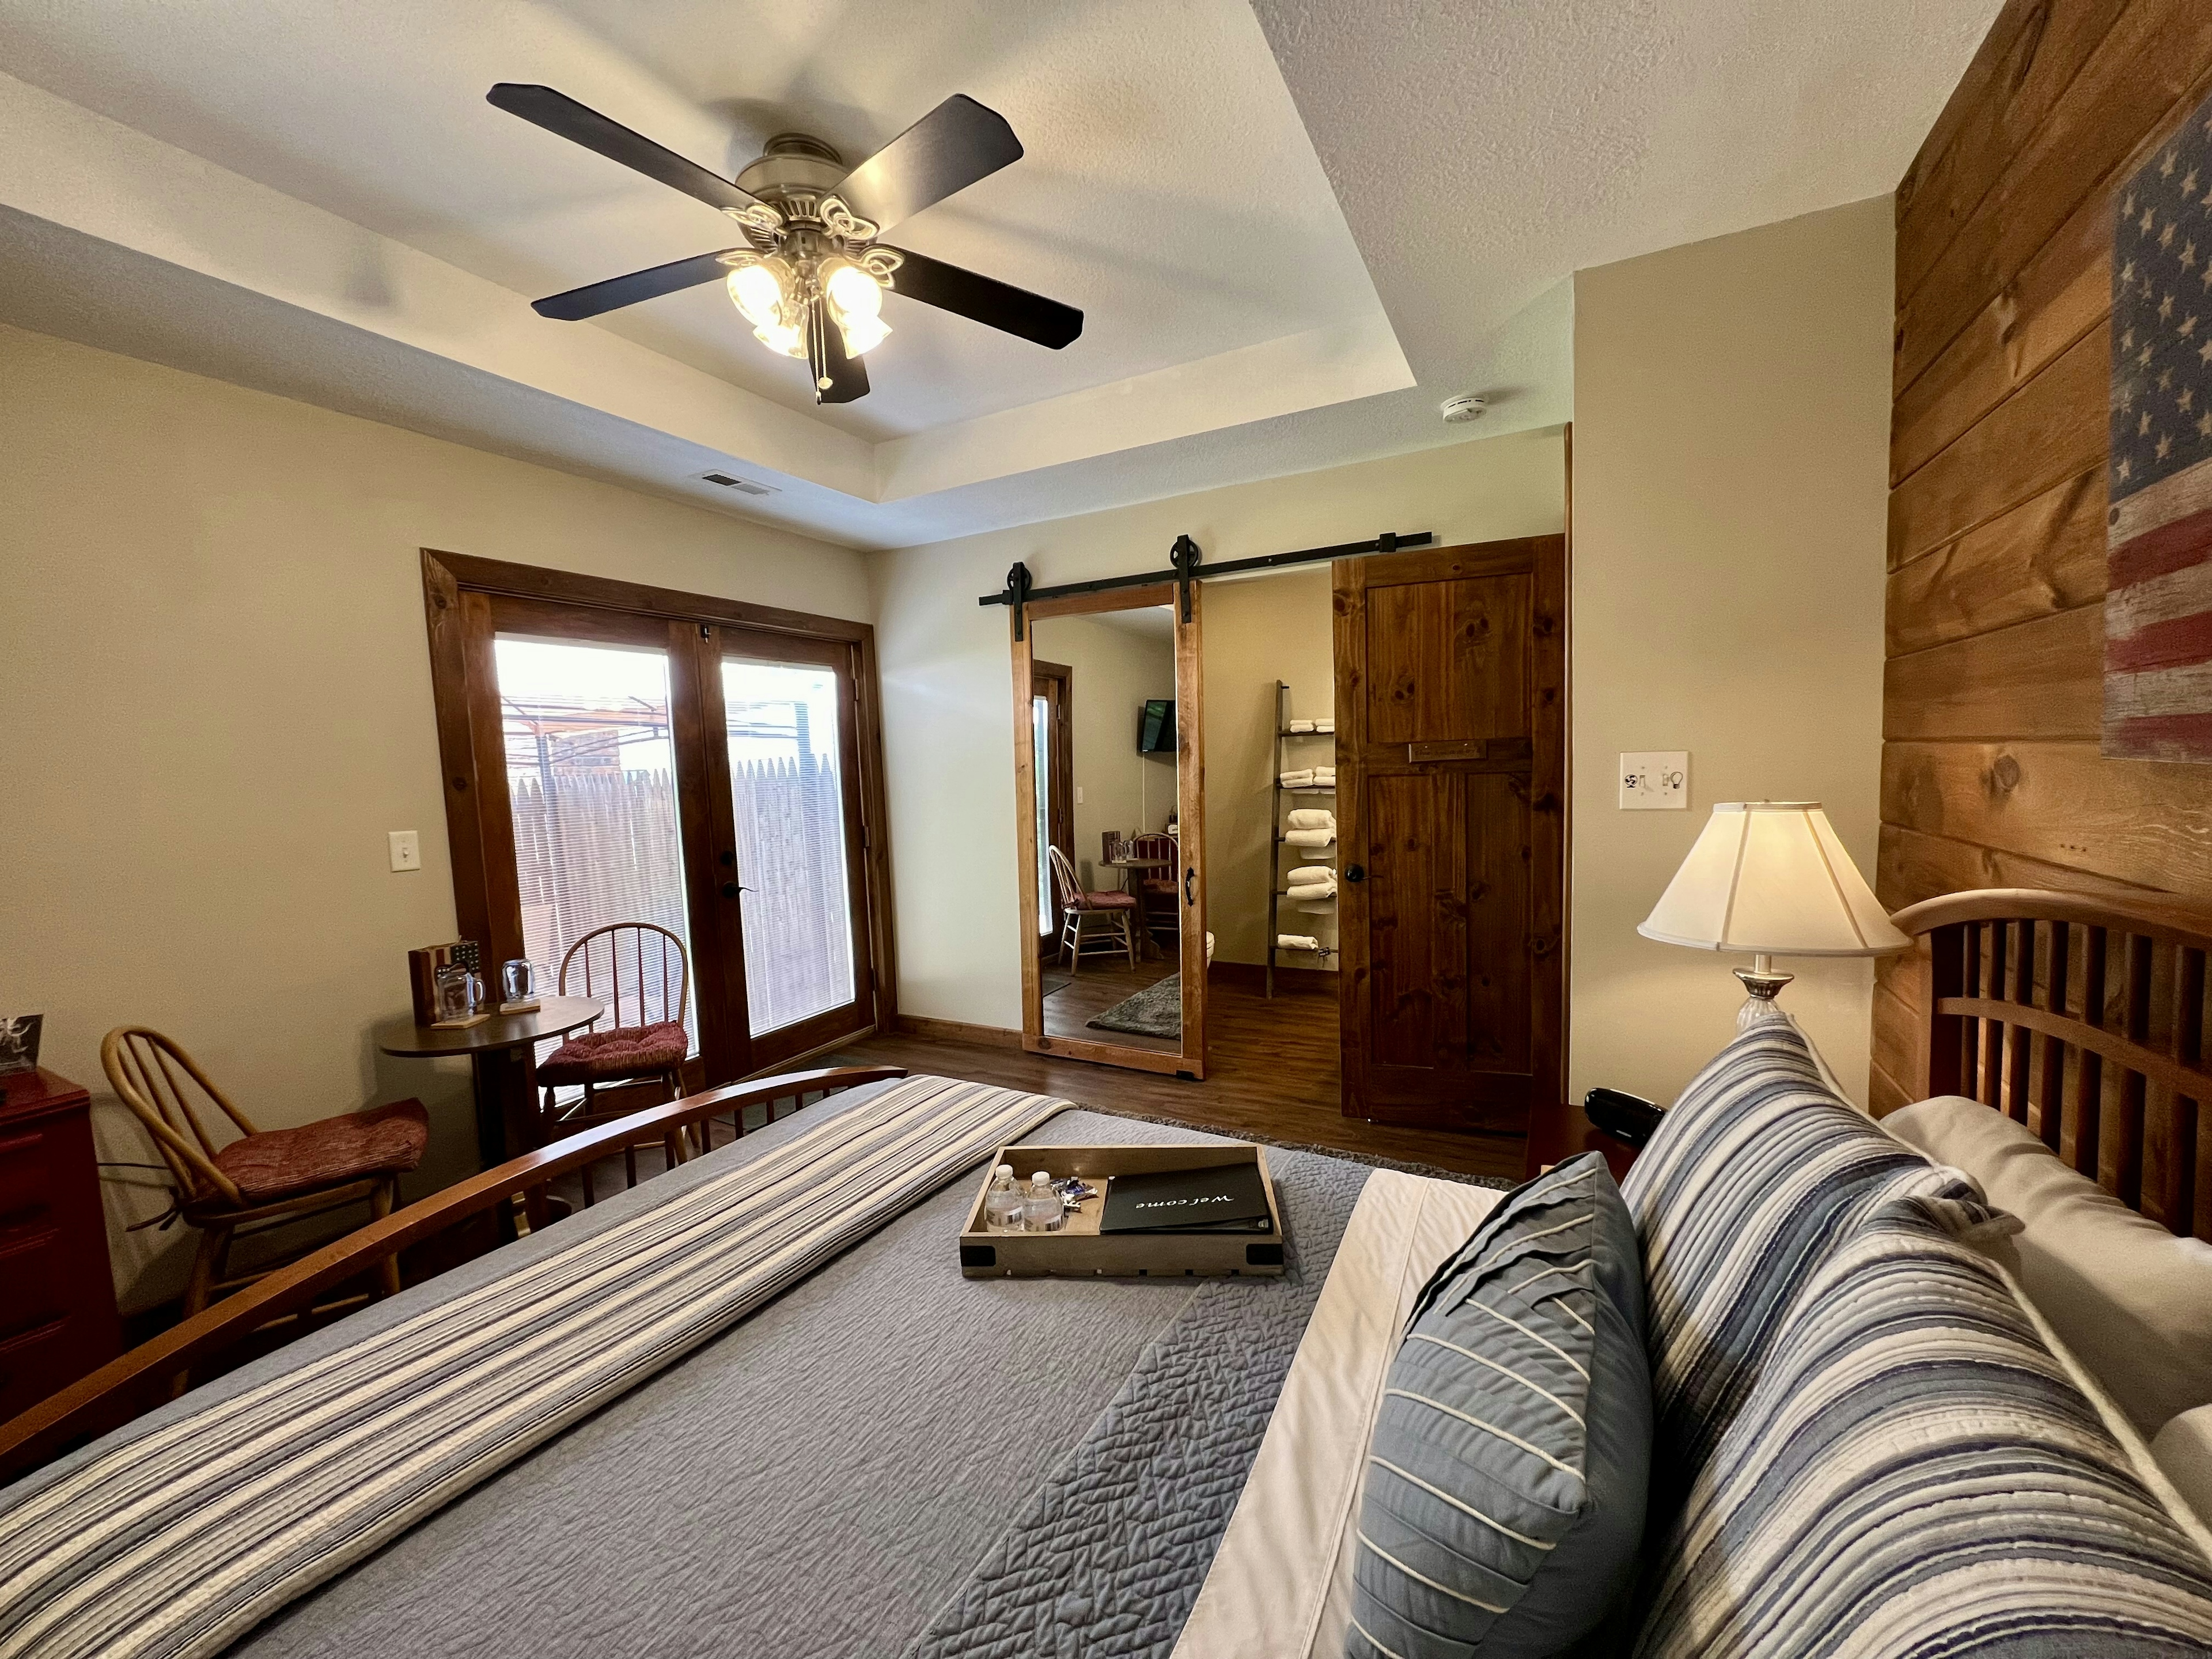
[{"x": 1154, "y": 1011}]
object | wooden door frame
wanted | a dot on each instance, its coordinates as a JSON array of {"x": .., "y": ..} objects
[
  {"x": 1190, "y": 812},
  {"x": 1061, "y": 808},
  {"x": 1549, "y": 792},
  {"x": 457, "y": 591}
]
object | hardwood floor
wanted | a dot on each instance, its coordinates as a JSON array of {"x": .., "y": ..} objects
[
  {"x": 1100, "y": 984},
  {"x": 1270, "y": 1076}
]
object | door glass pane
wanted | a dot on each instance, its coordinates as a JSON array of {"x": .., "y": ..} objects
[
  {"x": 593, "y": 784},
  {"x": 1040, "y": 746},
  {"x": 788, "y": 800}
]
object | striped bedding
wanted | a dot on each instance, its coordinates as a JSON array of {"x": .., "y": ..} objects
[
  {"x": 184, "y": 1530},
  {"x": 1875, "y": 1453}
]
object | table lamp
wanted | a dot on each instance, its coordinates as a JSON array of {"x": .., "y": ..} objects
[{"x": 1770, "y": 878}]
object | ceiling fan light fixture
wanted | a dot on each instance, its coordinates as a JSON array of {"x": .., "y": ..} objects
[
  {"x": 761, "y": 288},
  {"x": 855, "y": 297}
]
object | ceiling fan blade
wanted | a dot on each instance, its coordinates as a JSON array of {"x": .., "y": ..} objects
[
  {"x": 986, "y": 299},
  {"x": 559, "y": 113},
  {"x": 848, "y": 376},
  {"x": 947, "y": 150},
  {"x": 594, "y": 299}
]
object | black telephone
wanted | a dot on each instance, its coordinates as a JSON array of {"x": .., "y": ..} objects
[{"x": 1624, "y": 1116}]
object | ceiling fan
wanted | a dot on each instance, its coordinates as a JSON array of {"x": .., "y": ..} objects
[{"x": 811, "y": 275}]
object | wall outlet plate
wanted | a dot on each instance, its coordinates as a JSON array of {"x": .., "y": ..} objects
[
  {"x": 406, "y": 849},
  {"x": 1655, "y": 781}
]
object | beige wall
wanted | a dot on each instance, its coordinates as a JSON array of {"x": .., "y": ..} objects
[
  {"x": 1115, "y": 671},
  {"x": 1731, "y": 434},
  {"x": 219, "y": 701},
  {"x": 1270, "y": 627},
  {"x": 948, "y": 707}
]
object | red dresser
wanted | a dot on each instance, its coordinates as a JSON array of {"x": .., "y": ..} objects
[{"x": 57, "y": 1317}]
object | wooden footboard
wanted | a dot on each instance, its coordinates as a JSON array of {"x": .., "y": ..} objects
[{"x": 139, "y": 1380}]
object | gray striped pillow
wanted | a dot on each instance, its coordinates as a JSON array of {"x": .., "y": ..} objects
[
  {"x": 1911, "y": 1472},
  {"x": 1506, "y": 1477},
  {"x": 1754, "y": 1177}
]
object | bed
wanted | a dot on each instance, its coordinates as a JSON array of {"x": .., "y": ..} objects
[{"x": 751, "y": 1406}]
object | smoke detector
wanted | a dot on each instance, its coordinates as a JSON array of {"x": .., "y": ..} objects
[
  {"x": 742, "y": 486},
  {"x": 1465, "y": 407}
]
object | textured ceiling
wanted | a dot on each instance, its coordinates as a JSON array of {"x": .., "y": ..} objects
[{"x": 1295, "y": 226}]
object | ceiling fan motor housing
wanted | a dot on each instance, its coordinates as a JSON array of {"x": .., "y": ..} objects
[{"x": 794, "y": 164}]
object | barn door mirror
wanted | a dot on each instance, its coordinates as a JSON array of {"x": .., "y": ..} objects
[{"x": 1109, "y": 785}]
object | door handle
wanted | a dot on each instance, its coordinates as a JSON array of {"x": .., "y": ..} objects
[
  {"x": 1189, "y": 876},
  {"x": 1355, "y": 873}
]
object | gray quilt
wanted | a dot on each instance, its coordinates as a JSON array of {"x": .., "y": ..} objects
[{"x": 889, "y": 1458}]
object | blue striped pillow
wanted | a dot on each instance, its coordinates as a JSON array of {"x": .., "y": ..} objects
[
  {"x": 1505, "y": 1476},
  {"x": 1754, "y": 1177},
  {"x": 1912, "y": 1472}
]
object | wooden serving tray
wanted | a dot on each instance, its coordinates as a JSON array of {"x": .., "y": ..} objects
[{"x": 1079, "y": 1250}]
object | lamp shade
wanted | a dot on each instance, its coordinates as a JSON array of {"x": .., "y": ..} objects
[{"x": 1771, "y": 877}]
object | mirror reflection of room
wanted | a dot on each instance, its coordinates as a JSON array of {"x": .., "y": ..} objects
[
  {"x": 1103, "y": 735},
  {"x": 1271, "y": 826}
]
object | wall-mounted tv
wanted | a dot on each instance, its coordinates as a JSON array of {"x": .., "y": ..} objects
[{"x": 1156, "y": 730}]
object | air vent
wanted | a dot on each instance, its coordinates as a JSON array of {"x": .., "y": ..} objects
[{"x": 742, "y": 486}]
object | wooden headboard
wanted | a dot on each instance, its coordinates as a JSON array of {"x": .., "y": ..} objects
[{"x": 2082, "y": 1018}]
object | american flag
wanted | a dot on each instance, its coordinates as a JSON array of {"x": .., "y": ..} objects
[{"x": 2158, "y": 602}]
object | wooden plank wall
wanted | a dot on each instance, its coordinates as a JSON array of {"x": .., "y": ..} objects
[{"x": 1993, "y": 684}]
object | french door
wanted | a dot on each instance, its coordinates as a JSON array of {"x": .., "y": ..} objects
[
  {"x": 715, "y": 778},
  {"x": 1051, "y": 685}
]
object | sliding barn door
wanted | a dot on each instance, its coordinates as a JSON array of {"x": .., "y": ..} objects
[{"x": 1451, "y": 802}]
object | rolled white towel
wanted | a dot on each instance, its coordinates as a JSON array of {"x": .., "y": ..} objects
[
  {"x": 1328, "y": 725},
  {"x": 1311, "y": 872},
  {"x": 1296, "y": 942},
  {"x": 1312, "y": 817},
  {"x": 1307, "y": 892},
  {"x": 1302, "y": 725},
  {"x": 1309, "y": 837},
  {"x": 1324, "y": 773},
  {"x": 1297, "y": 779}
]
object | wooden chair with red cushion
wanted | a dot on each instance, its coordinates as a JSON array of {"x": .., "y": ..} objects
[
  {"x": 643, "y": 970},
  {"x": 273, "y": 1175},
  {"x": 1107, "y": 918},
  {"x": 1159, "y": 889}
]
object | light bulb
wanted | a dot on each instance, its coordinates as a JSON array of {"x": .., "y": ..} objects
[
  {"x": 776, "y": 338},
  {"x": 758, "y": 290},
  {"x": 851, "y": 291},
  {"x": 862, "y": 333}
]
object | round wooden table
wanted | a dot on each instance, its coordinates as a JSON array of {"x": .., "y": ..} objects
[
  {"x": 499, "y": 1058},
  {"x": 1132, "y": 871}
]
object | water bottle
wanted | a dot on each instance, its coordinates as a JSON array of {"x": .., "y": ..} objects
[
  {"x": 1004, "y": 1204},
  {"x": 1042, "y": 1212}
]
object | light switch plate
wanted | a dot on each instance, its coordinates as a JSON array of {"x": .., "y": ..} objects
[
  {"x": 406, "y": 849},
  {"x": 1655, "y": 781}
]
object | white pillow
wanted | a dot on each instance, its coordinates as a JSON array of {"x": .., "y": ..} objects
[
  {"x": 2131, "y": 1299},
  {"x": 2184, "y": 1450}
]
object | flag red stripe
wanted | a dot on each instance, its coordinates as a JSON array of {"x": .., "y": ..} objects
[
  {"x": 2160, "y": 551},
  {"x": 2178, "y": 642},
  {"x": 2159, "y": 737}
]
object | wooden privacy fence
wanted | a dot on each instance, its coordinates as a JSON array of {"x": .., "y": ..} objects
[{"x": 594, "y": 847}]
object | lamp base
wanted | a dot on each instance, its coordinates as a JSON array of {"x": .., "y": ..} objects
[{"x": 1764, "y": 984}]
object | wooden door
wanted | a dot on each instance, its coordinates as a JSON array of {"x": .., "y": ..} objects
[{"x": 1451, "y": 808}]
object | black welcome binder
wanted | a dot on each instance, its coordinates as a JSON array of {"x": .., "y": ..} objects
[{"x": 1229, "y": 1197}]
